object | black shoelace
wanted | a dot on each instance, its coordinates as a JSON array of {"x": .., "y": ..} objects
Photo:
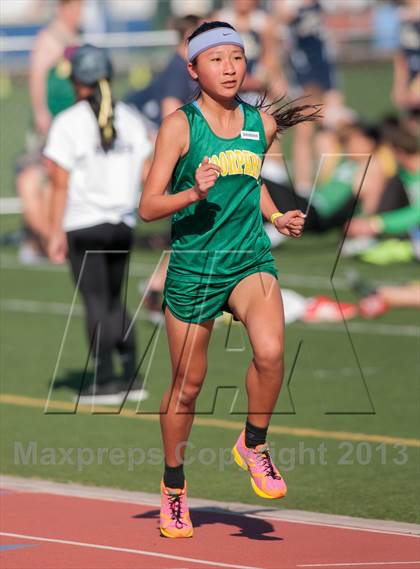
[
  {"x": 268, "y": 465},
  {"x": 176, "y": 512}
]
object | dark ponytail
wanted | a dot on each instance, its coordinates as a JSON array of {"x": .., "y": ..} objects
[
  {"x": 286, "y": 114},
  {"x": 103, "y": 107}
]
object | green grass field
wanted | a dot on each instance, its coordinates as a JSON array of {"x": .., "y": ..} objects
[{"x": 337, "y": 454}]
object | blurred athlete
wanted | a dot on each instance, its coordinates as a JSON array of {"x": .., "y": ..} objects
[
  {"x": 406, "y": 89},
  {"x": 98, "y": 151},
  {"x": 313, "y": 73},
  {"x": 50, "y": 88},
  {"x": 399, "y": 211},
  {"x": 51, "y": 92},
  {"x": 173, "y": 86}
]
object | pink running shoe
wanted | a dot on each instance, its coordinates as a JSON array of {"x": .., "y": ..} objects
[
  {"x": 265, "y": 478},
  {"x": 174, "y": 515}
]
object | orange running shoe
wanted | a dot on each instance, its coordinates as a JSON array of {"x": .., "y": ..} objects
[
  {"x": 174, "y": 515},
  {"x": 266, "y": 480}
]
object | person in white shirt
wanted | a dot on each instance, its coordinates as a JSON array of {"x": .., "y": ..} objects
[{"x": 98, "y": 152}]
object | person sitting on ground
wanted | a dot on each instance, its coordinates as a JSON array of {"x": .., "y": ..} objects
[
  {"x": 358, "y": 179},
  {"x": 399, "y": 212},
  {"x": 376, "y": 300}
]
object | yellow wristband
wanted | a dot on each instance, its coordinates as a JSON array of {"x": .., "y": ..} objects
[{"x": 275, "y": 216}]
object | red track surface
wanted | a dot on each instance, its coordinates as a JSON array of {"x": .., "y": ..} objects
[{"x": 220, "y": 538}]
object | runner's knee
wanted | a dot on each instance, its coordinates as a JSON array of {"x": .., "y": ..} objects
[
  {"x": 187, "y": 385},
  {"x": 268, "y": 356},
  {"x": 187, "y": 394}
]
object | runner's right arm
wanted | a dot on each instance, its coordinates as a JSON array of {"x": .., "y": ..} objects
[{"x": 172, "y": 143}]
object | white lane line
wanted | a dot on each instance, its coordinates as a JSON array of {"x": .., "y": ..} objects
[
  {"x": 128, "y": 550},
  {"x": 63, "y": 309},
  {"x": 361, "y": 564}
]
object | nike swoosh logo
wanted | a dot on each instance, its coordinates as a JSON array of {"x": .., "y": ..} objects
[{"x": 228, "y": 34}]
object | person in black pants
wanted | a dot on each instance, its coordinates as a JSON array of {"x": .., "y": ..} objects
[
  {"x": 98, "y": 257},
  {"x": 97, "y": 151}
]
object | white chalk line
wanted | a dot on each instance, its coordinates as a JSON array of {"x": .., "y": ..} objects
[{"x": 128, "y": 550}]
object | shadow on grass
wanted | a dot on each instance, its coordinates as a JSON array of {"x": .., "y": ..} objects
[{"x": 74, "y": 380}]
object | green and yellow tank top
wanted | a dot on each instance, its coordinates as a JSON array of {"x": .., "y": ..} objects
[
  {"x": 60, "y": 91},
  {"x": 218, "y": 238}
]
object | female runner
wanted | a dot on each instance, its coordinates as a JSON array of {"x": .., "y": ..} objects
[{"x": 211, "y": 152}]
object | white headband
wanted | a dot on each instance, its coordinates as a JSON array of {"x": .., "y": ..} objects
[{"x": 213, "y": 38}]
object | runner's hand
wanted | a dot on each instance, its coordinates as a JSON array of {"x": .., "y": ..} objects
[
  {"x": 205, "y": 178},
  {"x": 291, "y": 223}
]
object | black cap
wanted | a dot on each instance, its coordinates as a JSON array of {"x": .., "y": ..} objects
[{"x": 90, "y": 64}]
